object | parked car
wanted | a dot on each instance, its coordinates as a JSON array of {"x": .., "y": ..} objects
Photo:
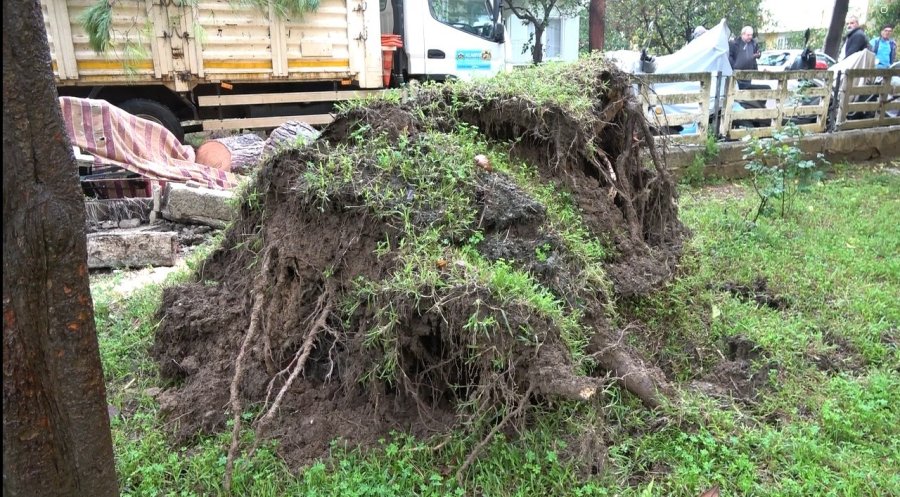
[{"x": 782, "y": 60}]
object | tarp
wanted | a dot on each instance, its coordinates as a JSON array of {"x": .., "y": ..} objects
[
  {"x": 121, "y": 142},
  {"x": 706, "y": 53},
  {"x": 864, "y": 59}
]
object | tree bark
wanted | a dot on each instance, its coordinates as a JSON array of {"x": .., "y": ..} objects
[
  {"x": 56, "y": 438},
  {"x": 537, "y": 51},
  {"x": 836, "y": 28},
  {"x": 238, "y": 154},
  {"x": 288, "y": 135},
  {"x": 597, "y": 25}
]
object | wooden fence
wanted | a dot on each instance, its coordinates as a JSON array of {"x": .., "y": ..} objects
[
  {"x": 684, "y": 107},
  {"x": 677, "y": 100},
  {"x": 868, "y": 99}
]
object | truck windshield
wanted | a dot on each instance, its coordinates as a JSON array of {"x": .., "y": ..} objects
[{"x": 471, "y": 16}]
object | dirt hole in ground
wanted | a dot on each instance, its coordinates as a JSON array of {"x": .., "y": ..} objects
[
  {"x": 840, "y": 354},
  {"x": 744, "y": 372}
]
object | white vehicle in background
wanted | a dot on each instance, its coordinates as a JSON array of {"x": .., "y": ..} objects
[{"x": 895, "y": 84}]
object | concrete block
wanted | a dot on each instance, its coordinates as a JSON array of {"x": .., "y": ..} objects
[
  {"x": 854, "y": 145},
  {"x": 121, "y": 248},
  {"x": 129, "y": 223},
  {"x": 196, "y": 205}
]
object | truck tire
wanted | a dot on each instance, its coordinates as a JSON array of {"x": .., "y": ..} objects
[{"x": 156, "y": 112}]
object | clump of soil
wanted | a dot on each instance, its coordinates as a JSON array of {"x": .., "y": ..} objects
[
  {"x": 757, "y": 292},
  {"x": 400, "y": 273}
]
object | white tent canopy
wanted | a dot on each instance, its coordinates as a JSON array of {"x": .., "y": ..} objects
[{"x": 707, "y": 53}]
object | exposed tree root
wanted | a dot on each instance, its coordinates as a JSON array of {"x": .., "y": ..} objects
[
  {"x": 551, "y": 375},
  {"x": 326, "y": 302},
  {"x": 235, "y": 397},
  {"x": 523, "y": 402},
  {"x": 645, "y": 381},
  {"x": 394, "y": 298}
]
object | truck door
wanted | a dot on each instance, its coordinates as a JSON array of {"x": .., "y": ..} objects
[
  {"x": 175, "y": 45},
  {"x": 453, "y": 38}
]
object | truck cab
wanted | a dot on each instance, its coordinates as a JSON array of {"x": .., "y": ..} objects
[{"x": 445, "y": 39}]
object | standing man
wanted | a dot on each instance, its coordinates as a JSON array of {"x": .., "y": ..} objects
[
  {"x": 743, "y": 52},
  {"x": 884, "y": 47},
  {"x": 855, "y": 41}
]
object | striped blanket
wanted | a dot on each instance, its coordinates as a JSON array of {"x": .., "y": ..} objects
[{"x": 132, "y": 153}]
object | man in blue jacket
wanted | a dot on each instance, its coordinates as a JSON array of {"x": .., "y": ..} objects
[{"x": 884, "y": 47}]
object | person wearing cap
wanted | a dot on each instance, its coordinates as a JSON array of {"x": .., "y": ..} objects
[
  {"x": 885, "y": 47},
  {"x": 698, "y": 32}
]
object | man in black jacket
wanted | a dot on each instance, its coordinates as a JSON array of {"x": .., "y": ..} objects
[
  {"x": 856, "y": 40},
  {"x": 743, "y": 52}
]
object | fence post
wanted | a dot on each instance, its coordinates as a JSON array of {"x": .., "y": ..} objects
[
  {"x": 727, "y": 116},
  {"x": 717, "y": 108},
  {"x": 835, "y": 103}
]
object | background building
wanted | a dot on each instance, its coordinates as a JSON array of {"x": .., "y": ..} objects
[{"x": 560, "y": 38}]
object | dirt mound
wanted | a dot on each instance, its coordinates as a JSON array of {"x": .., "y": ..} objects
[{"x": 450, "y": 257}]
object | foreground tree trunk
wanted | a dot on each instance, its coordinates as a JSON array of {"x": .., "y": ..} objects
[
  {"x": 597, "y": 25},
  {"x": 836, "y": 28},
  {"x": 56, "y": 438}
]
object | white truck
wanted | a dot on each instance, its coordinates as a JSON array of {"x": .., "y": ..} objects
[{"x": 195, "y": 65}]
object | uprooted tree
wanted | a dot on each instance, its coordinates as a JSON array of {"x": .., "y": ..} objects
[{"x": 450, "y": 256}]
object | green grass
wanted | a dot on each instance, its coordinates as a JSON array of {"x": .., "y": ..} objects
[{"x": 811, "y": 432}]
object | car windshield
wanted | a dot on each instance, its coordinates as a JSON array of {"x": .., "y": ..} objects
[{"x": 773, "y": 59}]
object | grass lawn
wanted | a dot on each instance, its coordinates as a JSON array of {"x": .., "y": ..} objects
[{"x": 825, "y": 418}]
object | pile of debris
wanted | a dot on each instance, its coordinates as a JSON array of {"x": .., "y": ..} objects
[{"x": 147, "y": 197}]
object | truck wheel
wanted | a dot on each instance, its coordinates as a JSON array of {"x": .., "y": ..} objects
[{"x": 156, "y": 112}]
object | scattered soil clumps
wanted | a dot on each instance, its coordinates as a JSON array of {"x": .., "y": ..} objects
[
  {"x": 757, "y": 292},
  {"x": 841, "y": 355}
]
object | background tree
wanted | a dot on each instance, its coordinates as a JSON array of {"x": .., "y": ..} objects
[
  {"x": 56, "y": 438},
  {"x": 882, "y": 12},
  {"x": 597, "y": 21},
  {"x": 664, "y": 26},
  {"x": 836, "y": 28},
  {"x": 537, "y": 13},
  {"x": 612, "y": 40}
]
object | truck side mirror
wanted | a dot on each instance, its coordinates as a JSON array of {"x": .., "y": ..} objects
[{"x": 498, "y": 32}]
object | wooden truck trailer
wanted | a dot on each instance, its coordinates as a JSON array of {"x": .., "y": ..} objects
[{"x": 195, "y": 65}]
